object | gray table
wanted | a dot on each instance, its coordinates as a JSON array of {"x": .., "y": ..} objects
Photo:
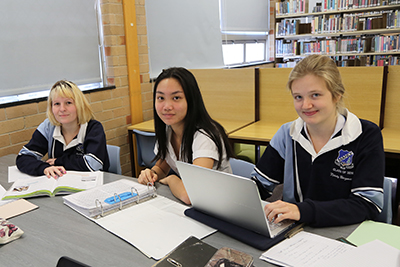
[{"x": 55, "y": 230}]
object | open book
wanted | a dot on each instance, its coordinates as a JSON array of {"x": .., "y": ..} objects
[
  {"x": 152, "y": 223},
  {"x": 70, "y": 182}
]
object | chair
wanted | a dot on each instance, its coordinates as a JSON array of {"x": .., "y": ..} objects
[
  {"x": 145, "y": 142},
  {"x": 241, "y": 167},
  {"x": 115, "y": 161},
  {"x": 387, "y": 212}
]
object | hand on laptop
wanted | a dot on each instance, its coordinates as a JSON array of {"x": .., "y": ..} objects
[{"x": 279, "y": 210}]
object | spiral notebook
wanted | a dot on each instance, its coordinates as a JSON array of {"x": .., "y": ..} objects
[{"x": 125, "y": 207}]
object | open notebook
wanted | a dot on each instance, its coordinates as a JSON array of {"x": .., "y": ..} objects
[{"x": 228, "y": 197}]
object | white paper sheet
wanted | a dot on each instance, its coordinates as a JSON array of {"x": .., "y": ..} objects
[
  {"x": 155, "y": 227},
  {"x": 2, "y": 192},
  {"x": 374, "y": 253},
  {"x": 305, "y": 250},
  {"x": 15, "y": 174}
]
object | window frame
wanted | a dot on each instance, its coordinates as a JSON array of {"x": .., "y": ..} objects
[{"x": 247, "y": 38}]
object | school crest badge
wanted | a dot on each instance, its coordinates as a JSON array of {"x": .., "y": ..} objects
[
  {"x": 345, "y": 159},
  {"x": 80, "y": 150}
]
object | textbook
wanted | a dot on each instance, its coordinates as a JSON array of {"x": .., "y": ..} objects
[
  {"x": 70, "y": 182},
  {"x": 137, "y": 214}
]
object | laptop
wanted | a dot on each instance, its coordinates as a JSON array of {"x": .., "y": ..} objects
[{"x": 228, "y": 197}]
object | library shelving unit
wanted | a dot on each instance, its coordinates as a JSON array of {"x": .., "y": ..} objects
[{"x": 353, "y": 32}]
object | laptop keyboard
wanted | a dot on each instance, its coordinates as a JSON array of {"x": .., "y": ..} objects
[{"x": 273, "y": 226}]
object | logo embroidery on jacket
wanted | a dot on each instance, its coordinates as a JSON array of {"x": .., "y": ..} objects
[
  {"x": 80, "y": 150},
  {"x": 345, "y": 159}
]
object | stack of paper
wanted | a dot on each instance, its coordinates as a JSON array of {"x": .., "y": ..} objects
[
  {"x": 378, "y": 245},
  {"x": 305, "y": 250}
]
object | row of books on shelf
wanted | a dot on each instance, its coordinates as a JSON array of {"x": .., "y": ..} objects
[
  {"x": 292, "y": 27},
  {"x": 347, "y": 61},
  {"x": 377, "y": 44},
  {"x": 355, "y": 22},
  {"x": 288, "y": 7},
  {"x": 375, "y": 60},
  {"x": 339, "y": 23},
  {"x": 291, "y": 7}
]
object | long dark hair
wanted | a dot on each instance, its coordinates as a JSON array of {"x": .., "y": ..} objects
[{"x": 197, "y": 118}]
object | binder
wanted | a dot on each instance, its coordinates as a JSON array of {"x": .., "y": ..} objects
[
  {"x": 109, "y": 198},
  {"x": 244, "y": 235},
  {"x": 125, "y": 207}
]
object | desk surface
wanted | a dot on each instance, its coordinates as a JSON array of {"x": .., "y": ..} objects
[
  {"x": 262, "y": 132},
  {"x": 391, "y": 140},
  {"x": 145, "y": 126},
  {"x": 229, "y": 125},
  {"x": 55, "y": 230},
  {"x": 259, "y": 131}
]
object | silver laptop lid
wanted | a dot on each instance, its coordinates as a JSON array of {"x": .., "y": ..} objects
[{"x": 225, "y": 196}]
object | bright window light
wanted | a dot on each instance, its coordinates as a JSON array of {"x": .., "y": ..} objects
[
  {"x": 233, "y": 53},
  {"x": 45, "y": 93},
  {"x": 244, "y": 33},
  {"x": 255, "y": 52}
]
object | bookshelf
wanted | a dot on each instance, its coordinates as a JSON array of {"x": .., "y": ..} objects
[{"x": 353, "y": 32}]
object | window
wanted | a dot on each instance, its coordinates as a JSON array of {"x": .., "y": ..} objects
[
  {"x": 183, "y": 33},
  {"x": 44, "y": 41},
  {"x": 233, "y": 53},
  {"x": 244, "y": 52},
  {"x": 255, "y": 52},
  {"x": 244, "y": 30}
]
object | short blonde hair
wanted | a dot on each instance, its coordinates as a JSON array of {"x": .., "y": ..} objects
[
  {"x": 68, "y": 89},
  {"x": 325, "y": 68}
]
